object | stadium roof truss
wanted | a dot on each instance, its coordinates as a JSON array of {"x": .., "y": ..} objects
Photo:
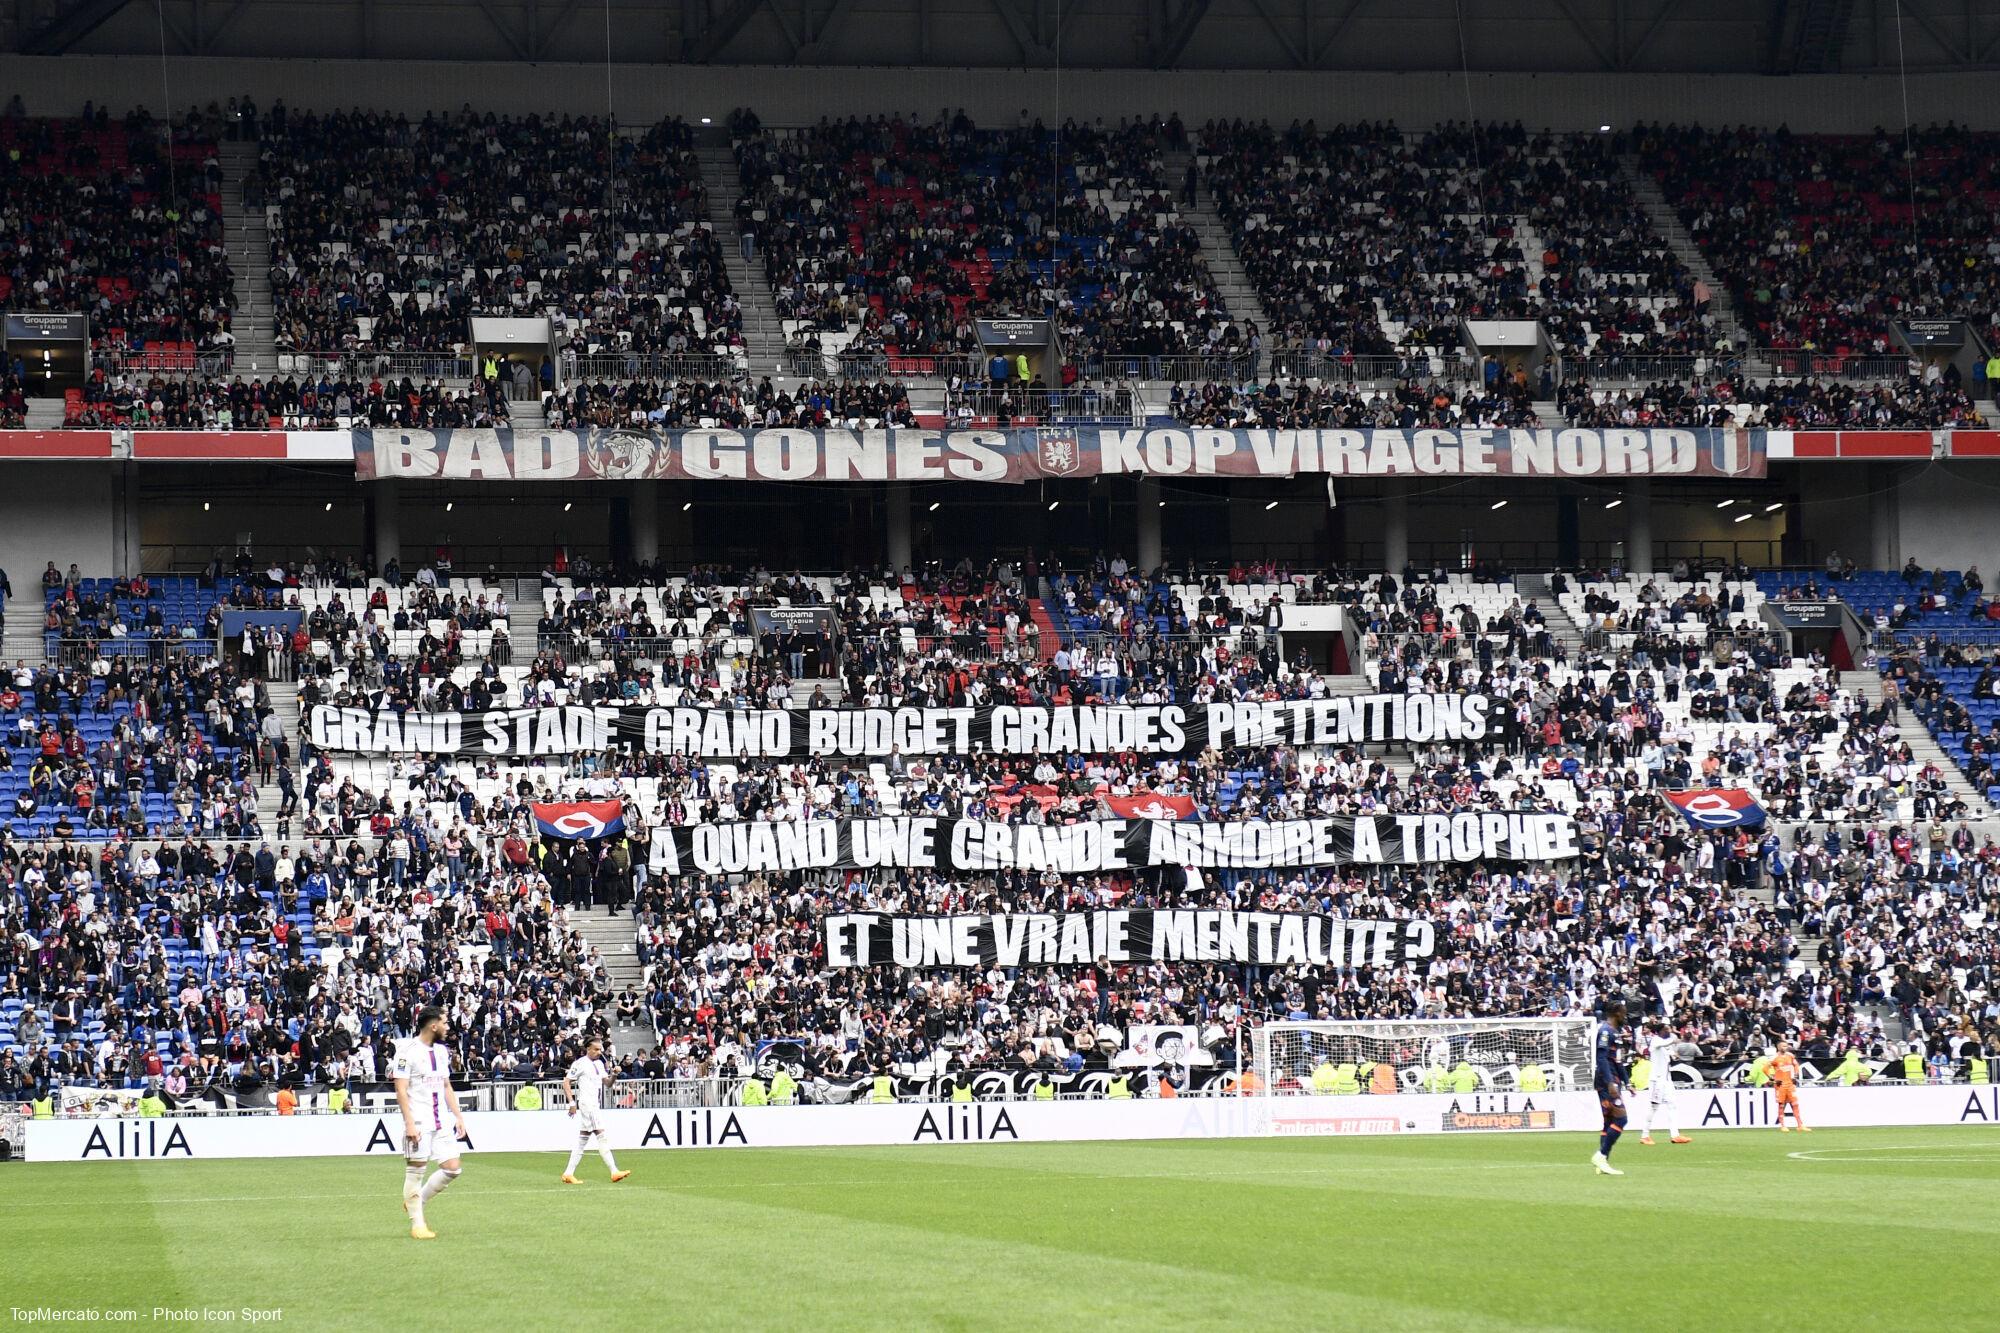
[{"x": 1575, "y": 36}]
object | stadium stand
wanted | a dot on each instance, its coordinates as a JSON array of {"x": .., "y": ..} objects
[
  {"x": 1365, "y": 241},
  {"x": 1936, "y": 403},
  {"x": 884, "y": 238},
  {"x": 193, "y": 896},
  {"x": 120, "y": 220},
  {"x": 211, "y": 939},
  {"x": 1815, "y": 234},
  {"x": 389, "y": 235}
]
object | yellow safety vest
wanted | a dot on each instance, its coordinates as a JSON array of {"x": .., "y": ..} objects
[
  {"x": 1463, "y": 1079},
  {"x": 1976, "y": 1070},
  {"x": 1436, "y": 1079},
  {"x": 753, "y": 1093},
  {"x": 784, "y": 1089},
  {"x": 885, "y": 1090},
  {"x": 1045, "y": 1091},
  {"x": 1324, "y": 1077},
  {"x": 1642, "y": 1074},
  {"x": 1345, "y": 1081},
  {"x": 528, "y": 1098},
  {"x": 1121, "y": 1089},
  {"x": 45, "y": 1108},
  {"x": 336, "y": 1100},
  {"x": 1532, "y": 1079},
  {"x": 961, "y": 1092},
  {"x": 1760, "y": 1072},
  {"x": 152, "y": 1107},
  {"x": 1913, "y": 1068}
]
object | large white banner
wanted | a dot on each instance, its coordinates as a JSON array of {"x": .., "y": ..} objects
[{"x": 191, "y": 1138}]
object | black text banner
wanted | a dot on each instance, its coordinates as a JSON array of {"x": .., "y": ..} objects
[
  {"x": 865, "y": 733},
  {"x": 1070, "y": 939},
  {"x": 1109, "y": 845}
]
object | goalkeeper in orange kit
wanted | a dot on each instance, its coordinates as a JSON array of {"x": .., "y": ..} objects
[{"x": 1784, "y": 1071}]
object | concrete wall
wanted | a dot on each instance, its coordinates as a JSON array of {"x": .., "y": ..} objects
[
  {"x": 1945, "y": 516},
  {"x": 642, "y": 94},
  {"x": 55, "y": 511}
]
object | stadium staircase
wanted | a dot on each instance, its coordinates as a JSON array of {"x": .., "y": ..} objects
[
  {"x": 527, "y": 414},
  {"x": 284, "y": 697},
  {"x": 1231, "y": 282},
  {"x": 612, "y": 935},
  {"x": 763, "y": 334},
  {"x": 802, "y": 690},
  {"x": 1924, "y": 748},
  {"x": 1052, "y": 638},
  {"x": 1534, "y": 589},
  {"x": 248, "y": 238},
  {"x": 45, "y": 414},
  {"x": 23, "y": 640},
  {"x": 1667, "y": 223}
]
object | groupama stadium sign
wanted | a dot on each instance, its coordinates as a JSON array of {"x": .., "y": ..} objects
[{"x": 1038, "y": 453}]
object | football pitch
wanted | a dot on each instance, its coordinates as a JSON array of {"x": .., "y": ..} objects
[{"x": 1889, "y": 1228}]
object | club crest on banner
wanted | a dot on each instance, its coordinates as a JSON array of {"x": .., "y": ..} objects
[
  {"x": 1058, "y": 449},
  {"x": 621, "y": 455}
]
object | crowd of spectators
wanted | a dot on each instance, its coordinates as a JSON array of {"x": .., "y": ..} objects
[
  {"x": 390, "y": 234},
  {"x": 1410, "y": 404},
  {"x": 233, "y": 959},
  {"x": 680, "y": 404},
  {"x": 1929, "y": 400},
  {"x": 119, "y": 220},
  {"x": 183, "y": 402},
  {"x": 1827, "y": 240},
  {"x": 1363, "y": 240},
  {"x": 893, "y": 235}
]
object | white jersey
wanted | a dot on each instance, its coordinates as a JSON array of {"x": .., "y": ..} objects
[
  {"x": 427, "y": 1069},
  {"x": 1661, "y": 1051},
  {"x": 587, "y": 1078}
]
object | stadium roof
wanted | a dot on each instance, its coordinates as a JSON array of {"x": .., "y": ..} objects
[{"x": 1546, "y": 36}]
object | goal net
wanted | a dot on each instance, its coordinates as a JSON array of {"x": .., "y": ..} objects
[{"x": 1423, "y": 1055}]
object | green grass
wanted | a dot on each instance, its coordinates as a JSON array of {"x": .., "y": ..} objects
[{"x": 1883, "y": 1228}]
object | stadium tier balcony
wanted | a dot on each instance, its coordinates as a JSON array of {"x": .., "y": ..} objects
[
  {"x": 1734, "y": 400},
  {"x": 1815, "y": 235},
  {"x": 390, "y": 235},
  {"x": 1416, "y": 402},
  {"x": 889, "y": 237},
  {"x": 1365, "y": 241},
  {"x": 118, "y": 221},
  {"x": 854, "y": 404},
  {"x": 327, "y": 401}
]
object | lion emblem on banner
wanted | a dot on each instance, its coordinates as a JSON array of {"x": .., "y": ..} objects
[
  {"x": 620, "y": 455},
  {"x": 1058, "y": 450}
]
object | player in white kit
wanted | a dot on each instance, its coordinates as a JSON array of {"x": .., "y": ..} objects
[
  {"x": 433, "y": 1125},
  {"x": 1657, "y": 1105},
  {"x": 583, "y": 1085}
]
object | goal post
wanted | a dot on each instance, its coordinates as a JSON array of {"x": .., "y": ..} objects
[{"x": 1294, "y": 1058}]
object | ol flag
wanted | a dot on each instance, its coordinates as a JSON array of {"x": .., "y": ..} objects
[
  {"x": 1722, "y": 807},
  {"x": 580, "y": 819}
]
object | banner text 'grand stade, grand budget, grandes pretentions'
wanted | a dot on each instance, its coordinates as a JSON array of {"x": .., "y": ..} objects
[
  {"x": 1039, "y": 453},
  {"x": 864, "y": 733}
]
